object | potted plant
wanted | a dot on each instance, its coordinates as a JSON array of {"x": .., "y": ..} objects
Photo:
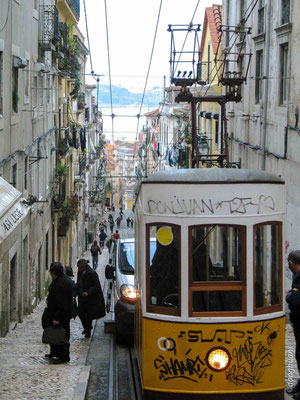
[
  {"x": 60, "y": 171},
  {"x": 68, "y": 211}
]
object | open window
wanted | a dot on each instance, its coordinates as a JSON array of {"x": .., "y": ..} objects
[
  {"x": 163, "y": 268},
  {"x": 267, "y": 267},
  {"x": 217, "y": 264}
]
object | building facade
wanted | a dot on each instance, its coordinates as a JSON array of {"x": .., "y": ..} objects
[
  {"x": 43, "y": 134},
  {"x": 263, "y": 127}
]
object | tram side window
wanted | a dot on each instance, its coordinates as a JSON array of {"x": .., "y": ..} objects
[
  {"x": 217, "y": 271},
  {"x": 163, "y": 262},
  {"x": 267, "y": 266}
]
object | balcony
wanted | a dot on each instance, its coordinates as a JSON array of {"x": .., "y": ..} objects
[
  {"x": 49, "y": 35},
  {"x": 70, "y": 9}
]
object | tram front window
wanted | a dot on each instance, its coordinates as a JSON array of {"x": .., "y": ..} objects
[
  {"x": 216, "y": 253},
  {"x": 163, "y": 268},
  {"x": 267, "y": 265},
  {"x": 217, "y": 271}
]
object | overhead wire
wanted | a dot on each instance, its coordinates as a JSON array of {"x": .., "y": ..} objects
[
  {"x": 109, "y": 72},
  {"x": 186, "y": 36},
  {"x": 88, "y": 38},
  {"x": 149, "y": 66}
]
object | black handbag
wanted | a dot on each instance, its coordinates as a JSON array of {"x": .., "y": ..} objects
[{"x": 55, "y": 335}]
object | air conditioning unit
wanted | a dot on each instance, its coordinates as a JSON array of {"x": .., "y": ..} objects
[{"x": 19, "y": 62}]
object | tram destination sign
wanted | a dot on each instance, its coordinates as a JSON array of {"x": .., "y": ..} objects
[{"x": 221, "y": 200}]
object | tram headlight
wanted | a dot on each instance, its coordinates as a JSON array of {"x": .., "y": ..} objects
[
  {"x": 218, "y": 359},
  {"x": 129, "y": 294}
]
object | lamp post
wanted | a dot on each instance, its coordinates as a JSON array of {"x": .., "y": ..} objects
[{"x": 203, "y": 146}]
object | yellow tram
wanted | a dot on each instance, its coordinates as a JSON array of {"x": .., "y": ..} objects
[{"x": 210, "y": 320}]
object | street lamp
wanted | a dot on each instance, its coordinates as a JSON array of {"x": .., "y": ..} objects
[{"x": 203, "y": 146}]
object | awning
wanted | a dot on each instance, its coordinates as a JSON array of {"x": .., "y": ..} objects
[{"x": 13, "y": 209}]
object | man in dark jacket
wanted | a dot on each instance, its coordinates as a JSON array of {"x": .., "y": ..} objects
[
  {"x": 90, "y": 297},
  {"x": 60, "y": 310},
  {"x": 293, "y": 300}
]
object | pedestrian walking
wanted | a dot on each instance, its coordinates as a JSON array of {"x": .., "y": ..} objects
[
  {"x": 112, "y": 225},
  {"x": 131, "y": 222},
  {"x": 102, "y": 238},
  {"x": 59, "y": 311},
  {"x": 293, "y": 300},
  {"x": 118, "y": 221},
  {"x": 91, "y": 303},
  {"x": 95, "y": 251},
  {"x": 110, "y": 218},
  {"x": 128, "y": 220},
  {"x": 115, "y": 236}
]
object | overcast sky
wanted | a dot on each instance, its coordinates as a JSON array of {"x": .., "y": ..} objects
[{"x": 131, "y": 29}]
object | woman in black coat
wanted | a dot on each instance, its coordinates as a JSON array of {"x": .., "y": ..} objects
[
  {"x": 90, "y": 297},
  {"x": 59, "y": 309}
]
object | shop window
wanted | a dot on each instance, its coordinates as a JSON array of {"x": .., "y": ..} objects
[
  {"x": 163, "y": 269},
  {"x": 267, "y": 267},
  {"x": 217, "y": 279}
]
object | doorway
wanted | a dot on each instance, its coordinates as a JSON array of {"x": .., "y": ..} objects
[{"x": 13, "y": 287}]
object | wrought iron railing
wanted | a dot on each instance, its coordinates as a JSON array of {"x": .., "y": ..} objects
[{"x": 50, "y": 25}]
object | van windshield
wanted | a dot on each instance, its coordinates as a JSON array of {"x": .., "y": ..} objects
[{"x": 127, "y": 257}]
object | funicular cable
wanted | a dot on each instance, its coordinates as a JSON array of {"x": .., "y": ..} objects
[{"x": 146, "y": 81}]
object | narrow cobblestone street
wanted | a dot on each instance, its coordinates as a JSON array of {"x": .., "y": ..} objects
[{"x": 27, "y": 374}]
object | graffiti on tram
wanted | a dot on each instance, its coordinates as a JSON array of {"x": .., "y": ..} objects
[
  {"x": 235, "y": 205},
  {"x": 250, "y": 350}
]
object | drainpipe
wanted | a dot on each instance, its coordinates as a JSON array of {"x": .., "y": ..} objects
[{"x": 266, "y": 86}]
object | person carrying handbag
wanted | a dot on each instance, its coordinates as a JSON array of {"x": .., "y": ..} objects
[{"x": 59, "y": 311}]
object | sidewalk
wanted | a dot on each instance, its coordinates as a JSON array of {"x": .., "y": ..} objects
[{"x": 27, "y": 374}]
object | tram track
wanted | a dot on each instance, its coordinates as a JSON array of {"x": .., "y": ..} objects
[{"x": 124, "y": 381}]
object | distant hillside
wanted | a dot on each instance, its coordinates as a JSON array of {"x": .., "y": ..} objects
[{"x": 123, "y": 97}]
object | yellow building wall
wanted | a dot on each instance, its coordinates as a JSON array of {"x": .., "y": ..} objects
[{"x": 209, "y": 125}]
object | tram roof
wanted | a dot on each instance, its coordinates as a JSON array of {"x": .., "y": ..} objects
[{"x": 213, "y": 175}]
